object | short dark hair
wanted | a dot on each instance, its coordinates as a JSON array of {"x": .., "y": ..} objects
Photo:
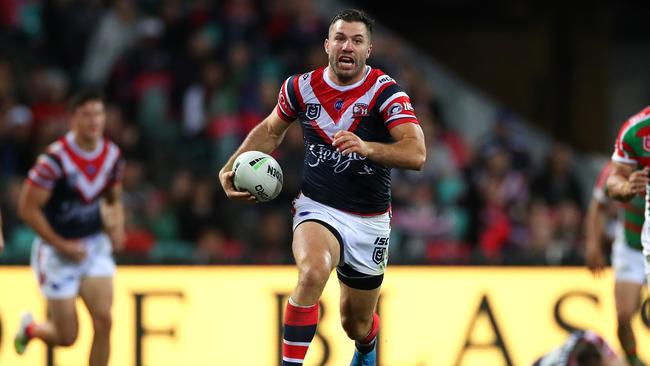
[
  {"x": 354, "y": 15},
  {"x": 84, "y": 97},
  {"x": 587, "y": 354}
]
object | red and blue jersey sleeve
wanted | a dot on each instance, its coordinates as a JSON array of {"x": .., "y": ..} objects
[
  {"x": 45, "y": 172},
  {"x": 286, "y": 108},
  {"x": 395, "y": 108}
]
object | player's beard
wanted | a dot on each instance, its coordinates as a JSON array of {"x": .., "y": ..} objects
[{"x": 346, "y": 75}]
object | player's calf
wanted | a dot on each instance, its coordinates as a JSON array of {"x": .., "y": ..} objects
[{"x": 299, "y": 329}]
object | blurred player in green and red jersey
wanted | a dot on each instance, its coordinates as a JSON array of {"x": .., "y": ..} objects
[{"x": 627, "y": 256}]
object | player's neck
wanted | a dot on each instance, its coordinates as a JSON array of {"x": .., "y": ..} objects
[{"x": 88, "y": 145}]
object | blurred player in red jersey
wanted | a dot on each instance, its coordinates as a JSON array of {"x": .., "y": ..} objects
[
  {"x": 627, "y": 257},
  {"x": 357, "y": 123},
  {"x": 72, "y": 200}
]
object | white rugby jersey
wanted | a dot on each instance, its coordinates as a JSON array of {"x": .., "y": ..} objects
[
  {"x": 77, "y": 179},
  {"x": 369, "y": 108}
]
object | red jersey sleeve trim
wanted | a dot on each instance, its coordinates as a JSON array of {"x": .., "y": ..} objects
[{"x": 400, "y": 121}]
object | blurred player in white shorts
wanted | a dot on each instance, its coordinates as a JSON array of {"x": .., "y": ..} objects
[
  {"x": 59, "y": 277},
  {"x": 71, "y": 199},
  {"x": 627, "y": 256}
]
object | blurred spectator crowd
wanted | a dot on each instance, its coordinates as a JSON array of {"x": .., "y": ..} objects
[{"x": 186, "y": 80}]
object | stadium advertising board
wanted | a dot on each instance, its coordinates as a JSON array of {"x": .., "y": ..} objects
[{"x": 232, "y": 316}]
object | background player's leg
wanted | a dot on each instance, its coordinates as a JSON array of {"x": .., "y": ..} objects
[
  {"x": 97, "y": 293},
  {"x": 316, "y": 251},
  {"x": 628, "y": 297},
  {"x": 62, "y": 326},
  {"x": 60, "y": 329}
]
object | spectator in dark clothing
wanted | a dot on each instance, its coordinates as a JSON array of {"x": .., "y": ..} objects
[{"x": 557, "y": 182}]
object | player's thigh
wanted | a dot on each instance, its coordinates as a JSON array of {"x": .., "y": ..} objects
[
  {"x": 315, "y": 244},
  {"x": 357, "y": 303},
  {"x": 628, "y": 297},
  {"x": 97, "y": 294}
]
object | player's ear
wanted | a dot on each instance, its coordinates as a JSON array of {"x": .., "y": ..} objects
[
  {"x": 326, "y": 44},
  {"x": 369, "y": 51}
]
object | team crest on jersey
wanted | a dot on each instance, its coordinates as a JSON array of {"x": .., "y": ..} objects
[
  {"x": 312, "y": 111},
  {"x": 360, "y": 110},
  {"x": 646, "y": 143}
]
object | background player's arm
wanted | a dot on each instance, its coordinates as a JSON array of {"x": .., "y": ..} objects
[
  {"x": 594, "y": 228},
  {"x": 30, "y": 209},
  {"x": 112, "y": 211},
  {"x": 265, "y": 137},
  {"x": 407, "y": 152},
  {"x": 625, "y": 182}
]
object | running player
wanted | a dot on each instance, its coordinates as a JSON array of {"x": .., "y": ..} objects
[
  {"x": 627, "y": 257},
  {"x": 357, "y": 123},
  {"x": 71, "y": 199},
  {"x": 630, "y": 167}
]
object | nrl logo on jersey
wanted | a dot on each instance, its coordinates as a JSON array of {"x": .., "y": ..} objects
[{"x": 312, "y": 111}]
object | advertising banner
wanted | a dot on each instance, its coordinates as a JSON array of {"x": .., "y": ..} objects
[{"x": 195, "y": 316}]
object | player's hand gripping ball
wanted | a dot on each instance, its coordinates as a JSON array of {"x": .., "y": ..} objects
[{"x": 259, "y": 174}]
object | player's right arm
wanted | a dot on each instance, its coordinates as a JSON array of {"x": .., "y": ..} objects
[
  {"x": 594, "y": 228},
  {"x": 625, "y": 181},
  {"x": 265, "y": 137},
  {"x": 30, "y": 209}
]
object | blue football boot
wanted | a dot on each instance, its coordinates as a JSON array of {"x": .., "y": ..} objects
[{"x": 364, "y": 359}]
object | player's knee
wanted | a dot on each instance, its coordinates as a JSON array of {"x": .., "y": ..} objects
[
  {"x": 102, "y": 322},
  {"x": 356, "y": 327},
  {"x": 67, "y": 337},
  {"x": 314, "y": 276}
]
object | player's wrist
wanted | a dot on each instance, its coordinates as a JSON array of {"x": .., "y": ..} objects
[
  {"x": 621, "y": 191},
  {"x": 370, "y": 150}
]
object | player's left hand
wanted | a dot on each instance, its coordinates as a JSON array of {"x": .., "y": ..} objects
[
  {"x": 595, "y": 260},
  {"x": 347, "y": 143}
]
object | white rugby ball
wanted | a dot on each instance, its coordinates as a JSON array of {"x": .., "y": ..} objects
[{"x": 258, "y": 173}]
